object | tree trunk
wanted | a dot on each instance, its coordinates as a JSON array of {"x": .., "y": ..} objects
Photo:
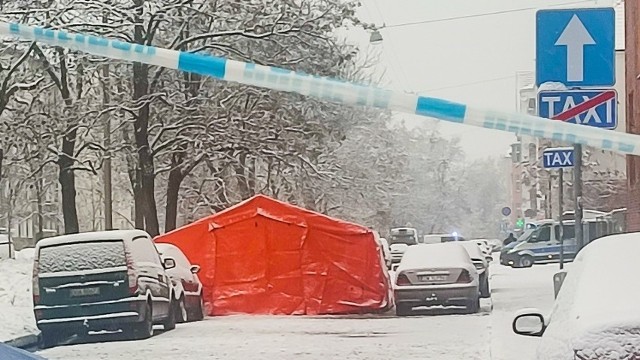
[
  {"x": 67, "y": 181},
  {"x": 173, "y": 191},
  {"x": 138, "y": 201},
  {"x": 141, "y": 133},
  {"x": 66, "y": 176}
]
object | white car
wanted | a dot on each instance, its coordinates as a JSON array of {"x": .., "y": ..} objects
[
  {"x": 386, "y": 252},
  {"x": 485, "y": 247},
  {"x": 436, "y": 274},
  {"x": 482, "y": 265},
  {"x": 187, "y": 285},
  {"x": 596, "y": 313}
]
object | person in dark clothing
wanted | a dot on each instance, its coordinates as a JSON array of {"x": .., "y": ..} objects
[{"x": 509, "y": 239}]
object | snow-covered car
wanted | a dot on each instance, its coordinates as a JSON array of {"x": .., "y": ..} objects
[
  {"x": 496, "y": 245},
  {"x": 436, "y": 274},
  {"x": 595, "y": 315},
  {"x": 386, "y": 252},
  {"x": 105, "y": 280},
  {"x": 484, "y": 246},
  {"x": 482, "y": 266},
  {"x": 187, "y": 285}
]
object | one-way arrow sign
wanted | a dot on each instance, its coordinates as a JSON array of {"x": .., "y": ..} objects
[
  {"x": 575, "y": 37},
  {"x": 576, "y": 47}
]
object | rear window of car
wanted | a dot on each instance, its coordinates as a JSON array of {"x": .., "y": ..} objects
[{"x": 82, "y": 256}]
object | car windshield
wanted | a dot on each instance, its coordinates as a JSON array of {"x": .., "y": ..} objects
[{"x": 408, "y": 239}]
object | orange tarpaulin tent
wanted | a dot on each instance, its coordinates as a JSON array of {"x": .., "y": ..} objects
[{"x": 264, "y": 256}]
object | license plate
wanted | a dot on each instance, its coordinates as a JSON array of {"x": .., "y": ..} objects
[
  {"x": 433, "y": 278},
  {"x": 85, "y": 291}
]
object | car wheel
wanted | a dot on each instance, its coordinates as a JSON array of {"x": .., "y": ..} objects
[
  {"x": 403, "y": 310},
  {"x": 473, "y": 306},
  {"x": 526, "y": 261},
  {"x": 49, "y": 338},
  {"x": 197, "y": 313},
  {"x": 485, "y": 291},
  {"x": 181, "y": 311},
  {"x": 170, "y": 322},
  {"x": 143, "y": 329}
]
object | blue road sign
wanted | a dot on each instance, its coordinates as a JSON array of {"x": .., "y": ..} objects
[
  {"x": 506, "y": 211},
  {"x": 597, "y": 108},
  {"x": 576, "y": 47},
  {"x": 557, "y": 158}
]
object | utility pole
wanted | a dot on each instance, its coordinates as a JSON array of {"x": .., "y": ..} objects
[
  {"x": 560, "y": 200},
  {"x": 577, "y": 192},
  {"x": 108, "y": 202}
]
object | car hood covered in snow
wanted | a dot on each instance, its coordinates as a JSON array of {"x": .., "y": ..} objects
[{"x": 596, "y": 314}]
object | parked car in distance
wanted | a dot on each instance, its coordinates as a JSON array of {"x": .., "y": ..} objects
[
  {"x": 595, "y": 315},
  {"x": 484, "y": 247},
  {"x": 441, "y": 238},
  {"x": 187, "y": 285},
  {"x": 482, "y": 266},
  {"x": 400, "y": 240},
  {"x": 496, "y": 245},
  {"x": 436, "y": 274},
  {"x": 386, "y": 252},
  {"x": 105, "y": 280}
]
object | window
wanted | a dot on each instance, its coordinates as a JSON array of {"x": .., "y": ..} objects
[
  {"x": 544, "y": 234},
  {"x": 144, "y": 251},
  {"x": 82, "y": 256}
]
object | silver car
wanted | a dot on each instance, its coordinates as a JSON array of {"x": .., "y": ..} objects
[
  {"x": 482, "y": 266},
  {"x": 436, "y": 274}
]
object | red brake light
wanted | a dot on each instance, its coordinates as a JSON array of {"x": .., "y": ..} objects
[
  {"x": 35, "y": 283},
  {"x": 465, "y": 277},
  {"x": 402, "y": 280},
  {"x": 131, "y": 275}
]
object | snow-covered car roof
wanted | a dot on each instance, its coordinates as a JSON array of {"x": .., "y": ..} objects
[
  {"x": 599, "y": 295},
  {"x": 473, "y": 249},
  {"x": 441, "y": 255},
  {"x": 91, "y": 236}
]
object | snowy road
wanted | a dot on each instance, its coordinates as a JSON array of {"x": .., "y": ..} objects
[{"x": 482, "y": 336}]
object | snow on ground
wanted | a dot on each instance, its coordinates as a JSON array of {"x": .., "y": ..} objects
[
  {"x": 16, "y": 305},
  {"x": 487, "y": 335},
  {"x": 512, "y": 290},
  {"x": 262, "y": 337}
]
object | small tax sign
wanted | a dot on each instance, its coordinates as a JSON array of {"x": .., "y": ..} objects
[{"x": 558, "y": 158}]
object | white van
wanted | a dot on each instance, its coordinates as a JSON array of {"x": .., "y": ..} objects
[{"x": 400, "y": 239}]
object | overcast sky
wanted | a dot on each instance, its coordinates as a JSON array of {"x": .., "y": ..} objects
[{"x": 471, "y": 60}]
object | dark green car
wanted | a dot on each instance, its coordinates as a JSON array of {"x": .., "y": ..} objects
[{"x": 108, "y": 280}]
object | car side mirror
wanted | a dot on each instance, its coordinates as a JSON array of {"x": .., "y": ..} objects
[
  {"x": 169, "y": 263},
  {"x": 195, "y": 269},
  {"x": 529, "y": 324}
]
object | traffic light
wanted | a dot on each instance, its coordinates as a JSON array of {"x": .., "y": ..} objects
[{"x": 520, "y": 223}]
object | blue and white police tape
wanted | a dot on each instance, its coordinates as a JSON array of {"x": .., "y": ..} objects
[{"x": 329, "y": 89}]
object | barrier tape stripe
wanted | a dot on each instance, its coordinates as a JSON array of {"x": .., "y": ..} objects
[{"x": 336, "y": 91}]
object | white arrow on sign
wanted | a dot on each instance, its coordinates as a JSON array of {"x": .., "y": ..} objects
[{"x": 575, "y": 37}]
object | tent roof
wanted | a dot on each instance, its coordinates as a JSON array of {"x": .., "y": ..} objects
[{"x": 262, "y": 205}]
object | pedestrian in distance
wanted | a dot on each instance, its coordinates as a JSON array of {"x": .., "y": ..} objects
[{"x": 509, "y": 239}]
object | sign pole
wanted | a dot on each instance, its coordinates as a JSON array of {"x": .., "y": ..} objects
[
  {"x": 577, "y": 192},
  {"x": 560, "y": 199}
]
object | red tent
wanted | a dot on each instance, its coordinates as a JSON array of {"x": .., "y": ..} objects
[{"x": 264, "y": 256}]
